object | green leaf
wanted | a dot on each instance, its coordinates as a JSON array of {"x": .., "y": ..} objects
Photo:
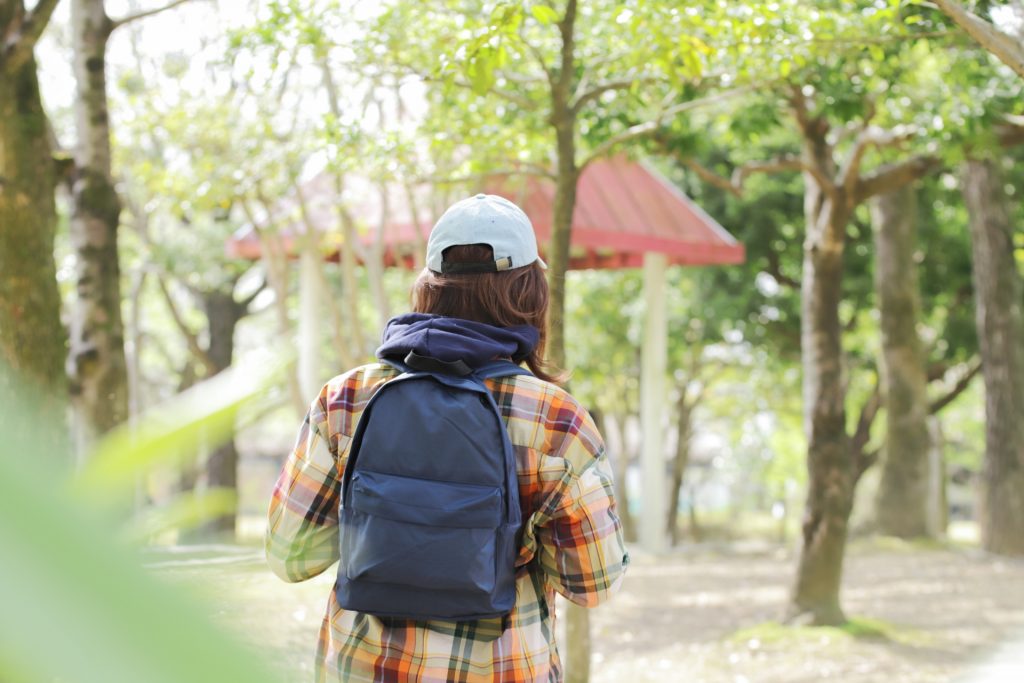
[
  {"x": 544, "y": 14},
  {"x": 186, "y": 512},
  {"x": 77, "y": 606},
  {"x": 177, "y": 429},
  {"x": 481, "y": 70}
]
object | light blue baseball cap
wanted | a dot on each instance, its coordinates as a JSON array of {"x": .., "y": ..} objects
[{"x": 484, "y": 219}]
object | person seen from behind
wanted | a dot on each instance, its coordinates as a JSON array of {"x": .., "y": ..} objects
[{"x": 478, "y": 313}]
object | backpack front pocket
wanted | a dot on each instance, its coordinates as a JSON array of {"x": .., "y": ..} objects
[{"x": 417, "y": 532}]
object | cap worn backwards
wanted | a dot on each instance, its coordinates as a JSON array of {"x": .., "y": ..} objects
[{"x": 484, "y": 219}]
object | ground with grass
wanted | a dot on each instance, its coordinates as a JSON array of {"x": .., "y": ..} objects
[{"x": 918, "y": 614}]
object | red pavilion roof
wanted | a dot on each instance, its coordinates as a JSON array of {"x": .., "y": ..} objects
[{"x": 623, "y": 209}]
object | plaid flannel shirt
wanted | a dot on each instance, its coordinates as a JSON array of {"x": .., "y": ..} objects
[{"x": 572, "y": 540}]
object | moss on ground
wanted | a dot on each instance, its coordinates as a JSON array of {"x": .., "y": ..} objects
[{"x": 858, "y": 628}]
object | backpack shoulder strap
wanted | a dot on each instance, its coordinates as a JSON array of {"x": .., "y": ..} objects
[
  {"x": 500, "y": 368},
  {"x": 415, "y": 364}
]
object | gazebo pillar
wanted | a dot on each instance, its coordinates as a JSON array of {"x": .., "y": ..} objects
[
  {"x": 653, "y": 394},
  {"x": 309, "y": 322}
]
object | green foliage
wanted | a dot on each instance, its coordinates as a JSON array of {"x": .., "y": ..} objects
[
  {"x": 205, "y": 414},
  {"x": 774, "y": 633},
  {"x": 603, "y": 329},
  {"x": 200, "y": 136},
  {"x": 77, "y": 606}
]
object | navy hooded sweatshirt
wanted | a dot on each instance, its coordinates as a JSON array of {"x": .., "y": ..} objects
[{"x": 451, "y": 339}]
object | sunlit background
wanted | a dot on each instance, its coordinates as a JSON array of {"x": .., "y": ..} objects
[{"x": 276, "y": 167}]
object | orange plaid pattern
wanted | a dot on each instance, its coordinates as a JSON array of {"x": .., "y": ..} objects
[{"x": 572, "y": 540}]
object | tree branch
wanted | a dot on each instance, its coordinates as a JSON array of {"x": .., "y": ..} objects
[
  {"x": 786, "y": 162},
  {"x": 712, "y": 178},
  {"x": 958, "y": 388},
  {"x": 21, "y": 38},
  {"x": 775, "y": 270},
  {"x": 191, "y": 339},
  {"x": 426, "y": 77},
  {"x": 648, "y": 127},
  {"x": 117, "y": 23},
  {"x": 734, "y": 184},
  {"x": 802, "y": 112},
  {"x": 539, "y": 58},
  {"x": 869, "y": 136},
  {"x": 247, "y": 301},
  {"x": 893, "y": 176},
  {"x": 1003, "y": 46},
  {"x": 506, "y": 95},
  {"x": 567, "y": 29},
  {"x": 866, "y": 461},
  {"x": 520, "y": 169},
  {"x": 862, "y": 434},
  {"x": 1010, "y": 130},
  {"x": 608, "y": 86},
  {"x": 866, "y": 133},
  {"x": 814, "y": 130}
]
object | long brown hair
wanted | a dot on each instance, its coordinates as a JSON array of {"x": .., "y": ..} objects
[{"x": 505, "y": 298}]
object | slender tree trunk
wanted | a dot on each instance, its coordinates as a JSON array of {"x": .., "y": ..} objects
[
  {"x": 577, "y": 659},
  {"x": 815, "y": 596},
  {"x": 561, "y": 235},
  {"x": 134, "y": 333},
  {"x": 96, "y": 360},
  {"x": 997, "y": 288},
  {"x": 695, "y": 529},
  {"x": 1003, "y": 45},
  {"x": 374, "y": 264},
  {"x": 350, "y": 279},
  {"x": 350, "y": 246},
  {"x": 613, "y": 431},
  {"x": 32, "y": 339},
  {"x": 938, "y": 501},
  {"x": 276, "y": 264},
  {"x": 563, "y": 119},
  {"x": 223, "y": 314},
  {"x": 684, "y": 430},
  {"x": 901, "y": 507},
  {"x": 419, "y": 240}
]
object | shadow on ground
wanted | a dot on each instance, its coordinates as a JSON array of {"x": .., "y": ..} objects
[{"x": 923, "y": 615}]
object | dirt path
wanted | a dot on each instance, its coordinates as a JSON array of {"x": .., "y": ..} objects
[
  {"x": 925, "y": 615},
  {"x": 689, "y": 618}
]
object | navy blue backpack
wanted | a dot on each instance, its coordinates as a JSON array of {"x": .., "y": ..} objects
[{"x": 430, "y": 516}]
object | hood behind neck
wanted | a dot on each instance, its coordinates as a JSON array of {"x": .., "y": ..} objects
[{"x": 451, "y": 339}]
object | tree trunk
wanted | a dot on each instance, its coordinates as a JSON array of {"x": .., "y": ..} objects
[
  {"x": 96, "y": 360},
  {"x": 350, "y": 279},
  {"x": 276, "y": 265},
  {"x": 374, "y": 263},
  {"x": 684, "y": 430},
  {"x": 32, "y": 339},
  {"x": 938, "y": 501},
  {"x": 223, "y": 314},
  {"x": 1003, "y": 45},
  {"x": 561, "y": 235},
  {"x": 612, "y": 428},
  {"x": 695, "y": 529},
  {"x": 815, "y": 596},
  {"x": 901, "y": 507},
  {"x": 563, "y": 119},
  {"x": 997, "y": 290}
]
